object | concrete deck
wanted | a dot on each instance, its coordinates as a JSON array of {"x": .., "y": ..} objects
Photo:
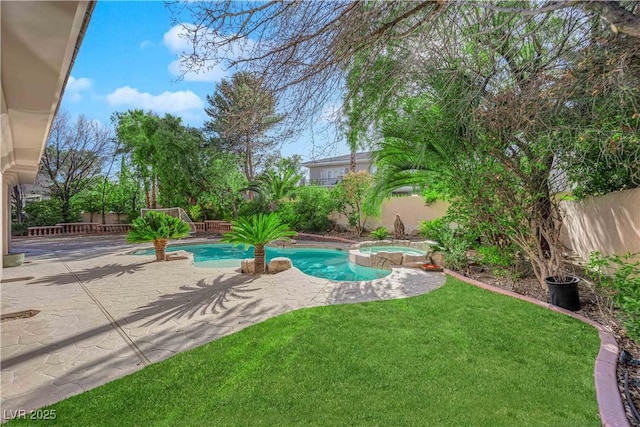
[{"x": 105, "y": 314}]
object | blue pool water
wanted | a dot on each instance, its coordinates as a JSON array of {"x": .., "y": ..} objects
[{"x": 325, "y": 263}]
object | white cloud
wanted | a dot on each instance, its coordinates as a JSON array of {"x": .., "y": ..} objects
[
  {"x": 177, "y": 42},
  {"x": 75, "y": 87},
  {"x": 145, "y": 44},
  {"x": 175, "y": 39},
  {"x": 166, "y": 102}
]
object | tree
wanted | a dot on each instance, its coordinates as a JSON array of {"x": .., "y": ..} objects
[
  {"x": 168, "y": 157},
  {"x": 258, "y": 230},
  {"x": 276, "y": 186},
  {"x": 414, "y": 145},
  {"x": 90, "y": 199},
  {"x": 509, "y": 108},
  {"x": 159, "y": 228},
  {"x": 135, "y": 130},
  {"x": 353, "y": 199},
  {"x": 74, "y": 155},
  {"x": 306, "y": 48},
  {"x": 242, "y": 110}
]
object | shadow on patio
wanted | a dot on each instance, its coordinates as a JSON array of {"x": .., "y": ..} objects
[
  {"x": 206, "y": 297},
  {"x": 90, "y": 274}
]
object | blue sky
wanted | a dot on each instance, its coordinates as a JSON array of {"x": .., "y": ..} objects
[{"x": 129, "y": 59}]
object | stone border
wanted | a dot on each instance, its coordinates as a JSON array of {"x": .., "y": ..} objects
[
  {"x": 610, "y": 406},
  {"x": 321, "y": 238}
]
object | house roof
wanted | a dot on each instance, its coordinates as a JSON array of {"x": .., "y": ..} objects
[{"x": 338, "y": 160}]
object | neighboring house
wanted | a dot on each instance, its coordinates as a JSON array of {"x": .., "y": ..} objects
[
  {"x": 38, "y": 191},
  {"x": 328, "y": 172}
]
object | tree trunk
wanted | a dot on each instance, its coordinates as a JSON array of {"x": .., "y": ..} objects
[
  {"x": 259, "y": 256},
  {"x": 160, "y": 245},
  {"x": 154, "y": 194},
  {"x": 18, "y": 199},
  {"x": 352, "y": 160}
]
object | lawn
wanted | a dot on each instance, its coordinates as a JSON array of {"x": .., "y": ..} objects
[{"x": 457, "y": 356}]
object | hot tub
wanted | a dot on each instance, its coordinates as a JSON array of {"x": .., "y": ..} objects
[{"x": 384, "y": 254}]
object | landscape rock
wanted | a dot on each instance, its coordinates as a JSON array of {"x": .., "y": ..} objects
[
  {"x": 278, "y": 264},
  {"x": 248, "y": 266}
]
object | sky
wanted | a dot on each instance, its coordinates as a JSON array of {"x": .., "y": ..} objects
[{"x": 129, "y": 60}]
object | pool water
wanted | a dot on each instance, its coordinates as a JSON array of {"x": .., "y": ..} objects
[
  {"x": 330, "y": 264},
  {"x": 404, "y": 249}
]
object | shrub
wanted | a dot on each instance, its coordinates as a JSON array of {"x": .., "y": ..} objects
[
  {"x": 313, "y": 204},
  {"x": 255, "y": 206},
  {"x": 380, "y": 233},
  {"x": 43, "y": 213},
  {"x": 288, "y": 215},
  {"x": 195, "y": 213},
  {"x": 437, "y": 229},
  {"x": 623, "y": 285},
  {"x": 454, "y": 243},
  {"x": 19, "y": 229},
  {"x": 502, "y": 261}
]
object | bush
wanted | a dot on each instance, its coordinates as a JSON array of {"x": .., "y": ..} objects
[
  {"x": 19, "y": 229},
  {"x": 380, "y": 233},
  {"x": 437, "y": 229},
  {"x": 454, "y": 243},
  {"x": 623, "y": 286},
  {"x": 313, "y": 204},
  {"x": 255, "y": 206},
  {"x": 502, "y": 261},
  {"x": 288, "y": 215},
  {"x": 43, "y": 213},
  {"x": 195, "y": 213}
]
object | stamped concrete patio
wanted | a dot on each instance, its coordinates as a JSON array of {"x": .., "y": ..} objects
[{"x": 105, "y": 313}]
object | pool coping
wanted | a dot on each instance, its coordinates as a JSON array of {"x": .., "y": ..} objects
[{"x": 610, "y": 406}]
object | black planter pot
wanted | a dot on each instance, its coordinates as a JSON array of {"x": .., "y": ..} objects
[{"x": 564, "y": 292}]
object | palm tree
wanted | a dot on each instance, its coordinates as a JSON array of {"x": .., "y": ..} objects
[
  {"x": 276, "y": 186},
  {"x": 258, "y": 230},
  {"x": 157, "y": 227},
  {"x": 411, "y": 152}
]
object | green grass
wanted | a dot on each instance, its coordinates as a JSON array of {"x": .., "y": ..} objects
[{"x": 457, "y": 356}]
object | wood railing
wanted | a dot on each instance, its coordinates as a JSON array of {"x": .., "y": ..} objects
[{"x": 84, "y": 228}]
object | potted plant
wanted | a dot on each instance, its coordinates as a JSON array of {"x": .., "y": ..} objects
[
  {"x": 159, "y": 228},
  {"x": 258, "y": 230},
  {"x": 563, "y": 291}
]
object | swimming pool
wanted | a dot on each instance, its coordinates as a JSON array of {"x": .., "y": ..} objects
[{"x": 330, "y": 264}]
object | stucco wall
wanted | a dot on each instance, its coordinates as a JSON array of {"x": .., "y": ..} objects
[
  {"x": 110, "y": 218},
  {"x": 609, "y": 224},
  {"x": 412, "y": 210}
]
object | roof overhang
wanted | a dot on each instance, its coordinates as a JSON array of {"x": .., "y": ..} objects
[{"x": 40, "y": 40}]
